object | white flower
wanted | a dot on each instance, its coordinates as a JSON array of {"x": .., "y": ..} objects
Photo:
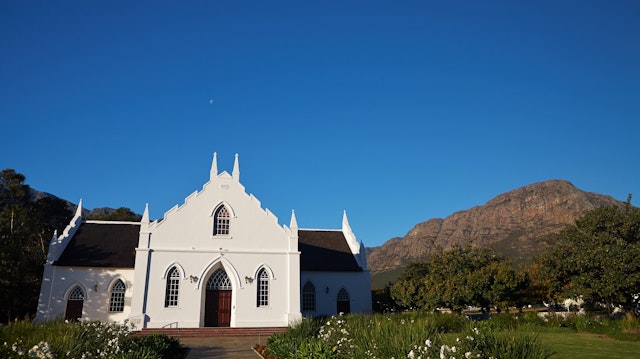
[
  {"x": 411, "y": 355},
  {"x": 427, "y": 343},
  {"x": 467, "y": 355}
]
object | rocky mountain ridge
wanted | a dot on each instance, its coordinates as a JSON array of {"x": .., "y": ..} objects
[
  {"x": 86, "y": 213},
  {"x": 512, "y": 223}
]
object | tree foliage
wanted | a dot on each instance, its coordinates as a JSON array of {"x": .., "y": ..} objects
[
  {"x": 463, "y": 276},
  {"x": 120, "y": 214},
  {"x": 26, "y": 227},
  {"x": 597, "y": 258}
]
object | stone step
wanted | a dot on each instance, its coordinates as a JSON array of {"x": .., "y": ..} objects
[{"x": 213, "y": 332}]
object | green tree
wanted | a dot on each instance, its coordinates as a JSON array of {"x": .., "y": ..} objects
[
  {"x": 458, "y": 278},
  {"x": 120, "y": 214},
  {"x": 597, "y": 258},
  {"x": 26, "y": 228}
]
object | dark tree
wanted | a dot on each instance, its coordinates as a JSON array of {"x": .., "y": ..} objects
[
  {"x": 597, "y": 259},
  {"x": 463, "y": 276},
  {"x": 120, "y": 214},
  {"x": 26, "y": 229}
]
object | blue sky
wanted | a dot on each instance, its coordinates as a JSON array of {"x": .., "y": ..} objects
[{"x": 396, "y": 111}]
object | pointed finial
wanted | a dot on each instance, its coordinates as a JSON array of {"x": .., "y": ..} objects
[
  {"x": 293, "y": 224},
  {"x": 54, "y": 239},
  {"x": 345, "y": 221},
  {"x": 214, "y": 166},
  {"x": 79, "y": 209},
  {"x": 145, "y": 215},
  {"x": 236, "y": 169}
]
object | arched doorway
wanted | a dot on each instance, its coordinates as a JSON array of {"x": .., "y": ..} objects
[
  {"x": 343, "y": 302},
  {"x": 217, "y": 305},
  {"x": 75, "y": 302}
]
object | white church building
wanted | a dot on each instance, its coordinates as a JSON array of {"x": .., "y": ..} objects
[{"x": 218, "y": 260}]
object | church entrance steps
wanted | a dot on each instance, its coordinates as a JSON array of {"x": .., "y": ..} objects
[{"x": 264, "y": 332}]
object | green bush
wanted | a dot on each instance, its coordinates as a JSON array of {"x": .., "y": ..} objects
[
  {"x": 59, "y": 339},
  {"x": 152, "y": 346},
  {"x": 399, "y": 335},
  {"x": 476, "y": 343}
]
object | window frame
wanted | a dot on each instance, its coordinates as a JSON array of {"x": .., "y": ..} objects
[
  {"x": 73, "y": 293},
  {"x": 262, "y": 289},
  {"x": 117, "y": 296},
  {"x": 309, "y": 297},
  {"x": 172, "y": 288},
  {"x": 222, "y": 222},
  {"x": 219, "y": 280}
]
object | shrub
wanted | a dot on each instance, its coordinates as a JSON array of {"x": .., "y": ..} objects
[
  {"x": 478, "y": 344},
  {"x": 152, "y": 346},
  {"x": 395, "y": 336},
  {"x": 59, "y": 339}
]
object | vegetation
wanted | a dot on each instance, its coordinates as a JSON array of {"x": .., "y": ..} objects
[
  {"x": 461, "y": 277},
  {"x": 596, "y": 259},
  {"x": 420, "y": 334},
  {"x": 26, "y": 227},
  {"x": 120, "y": 214},
  {"x": 400, "y": 335},
  {"x": 58, "y": 339}
]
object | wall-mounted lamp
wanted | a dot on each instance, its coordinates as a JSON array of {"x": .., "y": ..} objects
[
  {"x": 248, "y": 279},
  {"x": 326, "y": 290},
  {"x": 193, "y": 278},
  {"x": 95, "y": 288}
]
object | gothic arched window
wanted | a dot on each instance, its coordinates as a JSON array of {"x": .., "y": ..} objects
[
  {"x": 173, "y": 288},
  {"x": 75, "y": 302},
  {"x": 221, "y": 221},
  {"x": 263, "y": 288},
  {"x": 343, "y": 302},
  {"x": 116, "y": 302},
  {"x": 219, "y": 280},
  {"x": 309, "y": 297}
]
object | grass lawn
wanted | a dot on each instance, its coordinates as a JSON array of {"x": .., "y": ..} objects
[{"x": 569, "y": 345}]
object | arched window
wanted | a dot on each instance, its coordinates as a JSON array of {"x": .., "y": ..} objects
[
  {"x": 221, "y": 221},
  {"x": 173, "y": 288},
  {"x": 219, "y": 280},
  {"x": 263, "y": 288},
  {"x": 309, "y": 297},
  {"x": 75, "y": 302},
  {"x": 343, "y": 302},
  {"x": 116, "y": 302}
]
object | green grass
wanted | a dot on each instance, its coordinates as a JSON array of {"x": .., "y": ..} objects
[{"x": 569, "y": 345}]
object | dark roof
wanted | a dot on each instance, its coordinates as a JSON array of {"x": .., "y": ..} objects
[
  {"x": 111, "y": 245},
  {"x": 326, "y": 251}
]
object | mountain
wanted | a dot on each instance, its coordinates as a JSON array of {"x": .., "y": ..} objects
[
  {"x": 512, "y": 223},
  {"x": 86, "y": 213}
]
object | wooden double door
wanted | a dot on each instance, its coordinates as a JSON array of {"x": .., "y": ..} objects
[{"x": 217, "y": 308}]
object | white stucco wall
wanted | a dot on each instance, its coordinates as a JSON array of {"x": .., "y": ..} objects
[
  {"x": 328, "y": 284},
  {"x": 96, "y": 284},
  {"x": 184, "y": 238}
]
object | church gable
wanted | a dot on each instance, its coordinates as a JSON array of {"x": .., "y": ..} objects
[
  {"x": 102, "y": 244},
  {"x": 222, "y": 214}
]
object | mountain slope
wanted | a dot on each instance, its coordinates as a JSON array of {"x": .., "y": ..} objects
[
  {"x": 86, "y": 213},
  {"x": 512, "y": 223}
]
